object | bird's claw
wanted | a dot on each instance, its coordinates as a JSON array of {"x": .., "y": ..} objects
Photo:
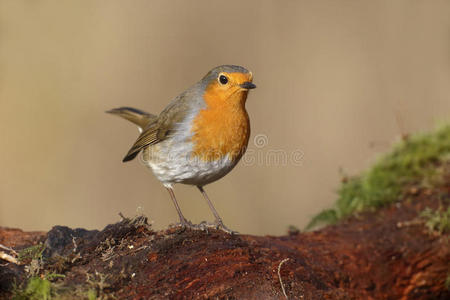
[
  {"x": 204, "y": 226},
  {"x": 218, "y": 225}
]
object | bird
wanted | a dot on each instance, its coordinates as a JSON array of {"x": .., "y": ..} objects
[{"x": 198, "y": 138}]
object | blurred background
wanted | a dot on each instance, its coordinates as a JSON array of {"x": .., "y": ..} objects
[{"x": 338, "y": 82}]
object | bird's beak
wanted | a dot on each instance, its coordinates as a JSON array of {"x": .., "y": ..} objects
[{"x": 247, "y": 85}]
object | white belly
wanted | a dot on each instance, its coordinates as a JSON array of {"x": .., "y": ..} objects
[{"x": 171, "y": 162}]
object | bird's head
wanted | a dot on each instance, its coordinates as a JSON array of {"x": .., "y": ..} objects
[{"x": 227, "y": 85}]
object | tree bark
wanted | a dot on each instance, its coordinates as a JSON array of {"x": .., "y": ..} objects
[{"x": 385, "y": 254}]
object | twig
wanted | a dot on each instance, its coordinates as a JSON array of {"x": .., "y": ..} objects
[
  {"x": 74, "y": 242},
  {"x": 8, "y": 258},
  {"x": 9, "y": 249},
  {"x": 279, "y": 276}
]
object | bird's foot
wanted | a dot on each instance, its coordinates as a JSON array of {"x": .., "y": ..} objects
[
  {"x": 185, "y": 224},
  {"x": 224, "y": 228},
  {"x": 218, "y": 224},
  {"x": 204, "y": 226}
]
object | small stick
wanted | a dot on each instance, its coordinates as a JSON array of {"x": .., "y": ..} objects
[
  {"x": 9, "y": 249},
  {"x": 279, "y": 276},
  {"x": 8, "y": 258}
]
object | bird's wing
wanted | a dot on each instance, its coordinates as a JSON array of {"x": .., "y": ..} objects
[{"x": 162, "y": 128}]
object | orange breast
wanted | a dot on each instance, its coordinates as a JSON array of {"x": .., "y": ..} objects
[{"x": 223, "y": 127}]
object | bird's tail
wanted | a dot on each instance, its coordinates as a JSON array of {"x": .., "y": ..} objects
[{"x": 138, "y": 117}]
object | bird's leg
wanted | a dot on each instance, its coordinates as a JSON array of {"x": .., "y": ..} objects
[
  {"x": 184, "y": 223},
  {"x": 218, "y": 223}
]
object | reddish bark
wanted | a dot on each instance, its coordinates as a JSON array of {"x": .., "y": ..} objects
[{"x": 387, "y": 254}]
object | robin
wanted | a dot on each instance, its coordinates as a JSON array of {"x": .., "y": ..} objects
[{"x": 199, "y": 137}]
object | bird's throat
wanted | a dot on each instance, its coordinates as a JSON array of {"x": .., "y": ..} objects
[{"x": 222, "y": 128}]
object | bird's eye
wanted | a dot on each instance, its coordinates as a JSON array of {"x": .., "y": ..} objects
[{"x": 223, "y": 79}]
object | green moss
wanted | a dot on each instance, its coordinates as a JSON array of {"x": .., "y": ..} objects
[
  {"x": 437, "y": 220},
  {"x": 414, "y": 160},
  {"x": 30, "y": 253},
  {"x": 37, "y": 288},
  {"x": 91, "y": 294}
]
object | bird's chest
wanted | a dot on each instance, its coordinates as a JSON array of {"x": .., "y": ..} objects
[{"x": 220, "y": 132}]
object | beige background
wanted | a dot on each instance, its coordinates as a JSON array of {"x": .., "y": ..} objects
[{"x": 337, "y": 80}]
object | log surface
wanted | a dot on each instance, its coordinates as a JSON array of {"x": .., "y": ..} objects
[{"x": 385, "y": 254}]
